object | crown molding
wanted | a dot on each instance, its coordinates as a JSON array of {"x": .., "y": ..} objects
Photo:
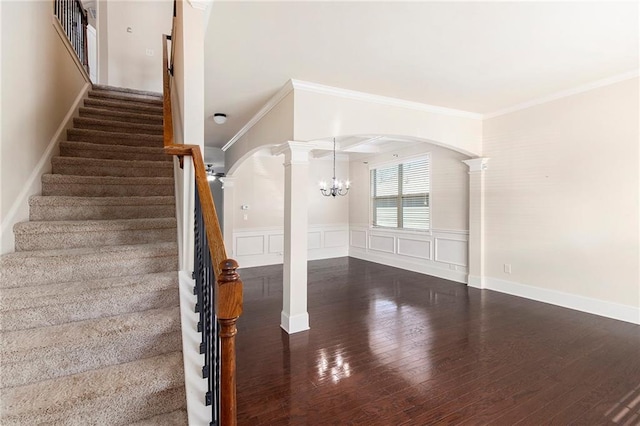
[
  {"x": 378, "y": 99},
  {"x": 271, "y": 103},
  {"x": 563, "y": 94}
]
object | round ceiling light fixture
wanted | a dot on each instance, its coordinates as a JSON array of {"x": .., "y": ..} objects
[{"x": 220, "y": 118}]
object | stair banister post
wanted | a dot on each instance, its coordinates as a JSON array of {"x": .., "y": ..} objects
[{"x": 228, "y": 309}]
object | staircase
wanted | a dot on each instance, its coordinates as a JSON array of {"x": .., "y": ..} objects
[{"x": 89, "y": 304}]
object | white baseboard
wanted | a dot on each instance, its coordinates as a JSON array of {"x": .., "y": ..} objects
[
  {"x": 195, "y": 385},
  {"x": 420, "y": 266},
  {"x": 603, "y": 308},
  {"x": 19, "y": 210}
]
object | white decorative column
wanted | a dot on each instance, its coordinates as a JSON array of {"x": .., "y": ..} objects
[
  {"x": 228, "y": 210},
  {"x": 477, "y": 166},
  {"x": 294, "y": 317}
]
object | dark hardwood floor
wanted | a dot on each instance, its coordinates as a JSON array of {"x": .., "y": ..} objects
[{"x": 392, "y": 347}]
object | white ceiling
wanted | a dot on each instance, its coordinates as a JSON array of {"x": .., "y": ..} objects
[{"x": 474, "y": 56}]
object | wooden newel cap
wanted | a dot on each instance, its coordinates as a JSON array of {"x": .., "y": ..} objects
[{"x": 229, "y": 270}]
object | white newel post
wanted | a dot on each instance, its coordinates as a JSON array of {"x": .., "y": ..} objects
[
  {"x": 228, "y": 206},
  {"x": 294, "y": 317},
  {"x": 477, "y": 167}
]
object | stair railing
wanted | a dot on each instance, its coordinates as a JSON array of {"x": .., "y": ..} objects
[
  {"x": 218, "y": 287},
  {"x": 73, "y": 19}
]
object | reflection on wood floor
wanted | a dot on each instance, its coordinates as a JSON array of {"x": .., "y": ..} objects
[{"x": 393, "y": 347}]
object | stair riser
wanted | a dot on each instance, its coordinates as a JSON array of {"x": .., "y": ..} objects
[
  {"x": 69, "y": 149},
  {"x": 102, "y": 190},
  {"x": 128, "y": 99},
  {"x": 42, "y": 364},
  {"x": 124, "y": 408},
  {"x": 104, "y": 114},
  {"x": 114, "y": 139},
  {"x": 39, "y": 213},
  {"x": 106, "y": 170},
  {"x": 62, "y": 240},
  {"x": 123, "y": 107},
  {"x": 114, "y": 126},
  {"x": 34, "y": 271},
  {"x": 102, "y": 305}
]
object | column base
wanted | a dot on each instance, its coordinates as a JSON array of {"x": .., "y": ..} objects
[
  {"x": 294, "y": 324},
  {"x": 475, "y": 281}
]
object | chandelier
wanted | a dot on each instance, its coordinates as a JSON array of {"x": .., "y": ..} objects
[{"x": 337, "y": 186}]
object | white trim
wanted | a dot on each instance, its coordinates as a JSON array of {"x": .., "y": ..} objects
[
  {"x": 33, "y": 185},
  {"x": 410, "y": 264},
  {"x": 563, "y": 94},
  {"x": 266, "y": 253},
  {"x": 195, "y": 386},
  {"x": 307, "y": 86},
  {"x": 567, "y": 300},
  {"x": 294, "y": 324},
  {"x": 65, "y": 40},
  {"x": 271, "y": 103}
]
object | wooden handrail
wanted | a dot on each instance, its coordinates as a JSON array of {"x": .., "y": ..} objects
[{"x": 228, "y": 286}]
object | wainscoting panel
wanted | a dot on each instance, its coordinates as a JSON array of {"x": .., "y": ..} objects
[
  {"x": 438, "y": 252},
  {"x": 336, "y": 238},
  {"x": 414, "y": 248},
  {"x": 276, "y": 243},
  {"x": 314, "y": 240},
  {"x": 265, "y": 246},
  {"x": 451, "y": 251},
  {"x": 382, "y": 243},
  {"x": 358, "y": 238},
  {"x": 250, "y": 245}
]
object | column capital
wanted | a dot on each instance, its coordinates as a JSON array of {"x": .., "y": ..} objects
[
  {"x": 294, "y": 152},
  {"x": 477, "y": 164}
]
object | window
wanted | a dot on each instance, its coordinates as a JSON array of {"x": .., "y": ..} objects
[{"x": 400, "y": 195}]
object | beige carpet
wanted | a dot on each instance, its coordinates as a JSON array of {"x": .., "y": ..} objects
[{"x": 89, "y": 304}]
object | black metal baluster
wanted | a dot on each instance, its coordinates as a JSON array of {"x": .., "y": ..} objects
[{"x": 205, "y": 306}]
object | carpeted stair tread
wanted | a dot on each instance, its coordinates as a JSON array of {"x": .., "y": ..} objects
[
  {"x": 128, "y": 117},
  {"x": 115, "y": 105},
  {"x": 109, "y": 186},
  {"x": 91, "y": 123},
  {"x": 130, "y": 98},
  {"x": 104, "y": 87},
  {"x": 53, "y": 208},
  {"x": 174, "y": 418},
  {"x": 23, "y": 269},
  {"x": 112, "y": 152},
  {"x": 45, "y": 305},
  {"x": 82, "y": 166},
  {"x": 43, "y": 353},
  {"x": 46, "y": 235},
  {"x": 115, "y": 395},
  {"x": 115, "y": 138}
]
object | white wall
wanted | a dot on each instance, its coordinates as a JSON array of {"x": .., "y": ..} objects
[
  {"x": 127, "y": 60},
  {"x": 41, "y": 83},
  {"x": 259, "y": 184},
  {"x": 561, "y": 201},
  {"x": 442, "y": 251}
]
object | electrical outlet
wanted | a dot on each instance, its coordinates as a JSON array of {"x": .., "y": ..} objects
[
  {"x": 149, "y": 52},
  {"x": 507, "y": 268}
]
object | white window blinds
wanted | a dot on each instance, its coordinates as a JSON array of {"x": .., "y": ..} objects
[{"x": 400, "y": 195}]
